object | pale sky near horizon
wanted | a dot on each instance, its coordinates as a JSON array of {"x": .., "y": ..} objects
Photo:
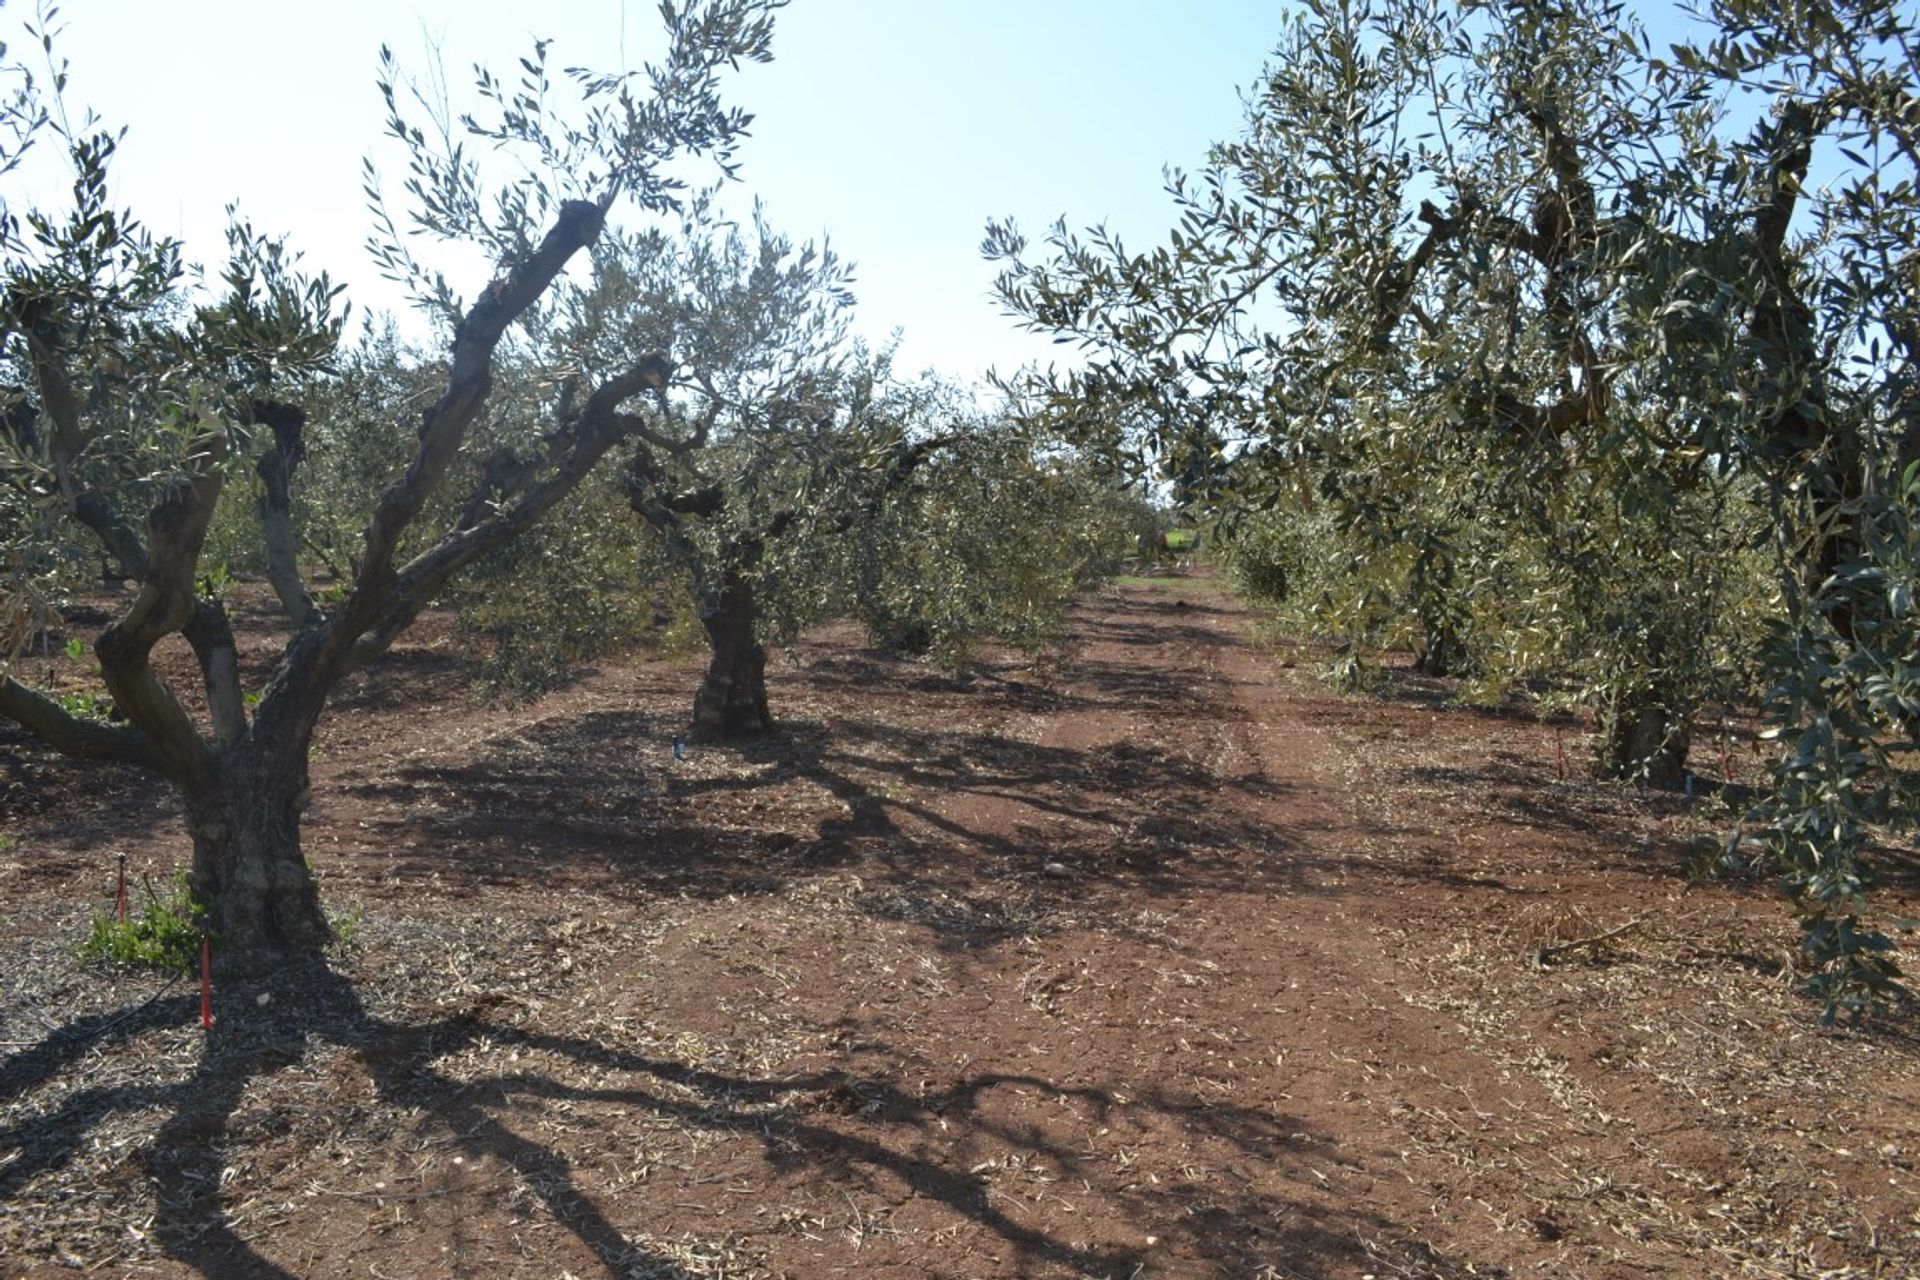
[{"x": 897, "y": 127}]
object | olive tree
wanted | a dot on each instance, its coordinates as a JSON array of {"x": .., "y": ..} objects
[
  {"x": 776, "y": 435},
  {"x": 1812, "y": 293},
  {"x": 991, "y": 539},
  {"x": 732, "y": 452},
  {"x": 1502, "y": 250},
  {"x": 1411, "y": 282},
  {"x": 134, "y": 402}
]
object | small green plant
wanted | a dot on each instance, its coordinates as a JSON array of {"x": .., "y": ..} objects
[
  {"x": 88, "y": 706},
  {"x": 347, "y": 929},
  {"x": 76, "y": 648},
  {"x": 216, "y": 584},
  {"x": 164, "y": 936}
]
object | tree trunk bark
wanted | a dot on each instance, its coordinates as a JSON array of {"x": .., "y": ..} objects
[
  {"x": 1441, "y": 649},
  {"x": 1440, "y": 652},
  {"x": 264, "y": 907},
  {"x": 732, "y": 701},
  {"x": 1647, "y": 742}
]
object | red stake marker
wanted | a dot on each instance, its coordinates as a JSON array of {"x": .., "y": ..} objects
[
  {"x": 206, "y": 983},
  {"x": 1560, "y": 750},
  {"x": 120, "y": 898}
]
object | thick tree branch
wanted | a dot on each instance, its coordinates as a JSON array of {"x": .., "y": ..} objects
[
  {"x": 1394, "y": 294},
  {"x": 119, "y": 538},
  {"x": 469, "y": 380},
  {"x": 1792, "y": 372},
  {"x": 644, "y": 431},
  {"x": 1782, "y": 325},
  {"x": 176, "y": 530},
  {"x": 275, "y": 469},
  {"x": 505, "y": 473},
  {"x": 211, "y": 636},
  {"x": 72, "y": 735},
  {"x": 1565, "y": 221},
  {"x": 1564, "y": 226},
  {"x": 645, "y": 485},
  {"x": 595, "y": 429},
  {"x": 47, "y": 357}
]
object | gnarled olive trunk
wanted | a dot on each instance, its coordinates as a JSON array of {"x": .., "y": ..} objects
[
  {"x": 1645, "y": 739},
  {"x": 247, "y": 863},
  {"x": 244, "y": 779},
  {"x": 1441, "y": 649},
  {"x": 733, "y": 698}
]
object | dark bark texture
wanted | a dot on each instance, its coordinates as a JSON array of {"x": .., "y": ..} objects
[
  {"x": 1647, "y": 742},
  {"x": 732, "y": 701},
  {"x": 248, "y": 868}
]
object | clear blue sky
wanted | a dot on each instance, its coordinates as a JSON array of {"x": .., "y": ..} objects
[{"x": 897, "y": 126}]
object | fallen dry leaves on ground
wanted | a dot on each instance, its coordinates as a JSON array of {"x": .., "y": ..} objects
[{"x": 1156, "y": 959}]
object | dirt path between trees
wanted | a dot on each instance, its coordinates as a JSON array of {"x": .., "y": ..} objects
[{"x": 1157, "y": 959}]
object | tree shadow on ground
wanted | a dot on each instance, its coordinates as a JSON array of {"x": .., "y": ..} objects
[
  {"x": 861, "y": 1132},
  {"x": 186, "y": 1160},
  {"x": 1602, "y": 823},
  {"x": 405, "y": 677},
  {"x": 1119, "y": 817},
  {"x": 37, "y": 786},
  {"x": 1175, "y": 687},
  {"x": 601, "y": 796}
]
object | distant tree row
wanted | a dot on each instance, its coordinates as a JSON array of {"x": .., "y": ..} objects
[
  {"x": 758, "y": 465},
  {"x": 1574, "y": 364}
]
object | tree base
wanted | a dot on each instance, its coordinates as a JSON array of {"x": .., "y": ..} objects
[
  {"x": 1649, "y": 747},
  {"x": 732, "y": 712},
  {"x": 251, "y": 878}
]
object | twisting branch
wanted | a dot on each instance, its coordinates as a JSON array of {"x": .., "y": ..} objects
[
  {"x": 73, "y": 735},
  {"x": 596, "y": 428},
  {"x": 115, "y": 534},
  {"x": 643, "y": 481},
  {"x": 275, "y": 468},
  {"x": 468, "y": 381},
  {"x": 166, "y": 603},
  {"x": 1564, "y": 225},
  {"x": 1395, "y": 293}
]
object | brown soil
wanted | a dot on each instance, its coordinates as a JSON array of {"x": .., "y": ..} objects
[{"x": 1159, "y": 959}]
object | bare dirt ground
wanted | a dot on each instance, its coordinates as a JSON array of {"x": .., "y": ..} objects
[{"x": 1159, "y": 959}]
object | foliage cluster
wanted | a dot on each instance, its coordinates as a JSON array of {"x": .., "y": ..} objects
[
  {"x": 590, "y": 583},
  {"x": 1564, "y": 361},
  {"x": 992, "y": 540}
]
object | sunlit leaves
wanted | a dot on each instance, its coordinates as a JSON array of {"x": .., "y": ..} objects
[
  {"x": 493, "y": 177},
  {"x": 1551, "y": 337}
]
